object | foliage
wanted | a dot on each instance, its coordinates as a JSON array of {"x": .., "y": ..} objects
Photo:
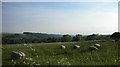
[
  {"x": 66, "y": 38},
  {"x": 77, "y": 37},
  {"x": 29, "y": 37},
  {"x": 116, "y": 36},
  {"x": 97, "y": 37}
]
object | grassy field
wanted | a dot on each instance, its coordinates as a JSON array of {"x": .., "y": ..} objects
[{"x": 51, "y": 54}]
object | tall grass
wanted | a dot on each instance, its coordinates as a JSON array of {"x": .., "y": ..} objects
[{"x": 51, "y": 54}]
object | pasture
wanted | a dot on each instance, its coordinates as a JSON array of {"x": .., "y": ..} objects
[{"x": 51, "y": 54}]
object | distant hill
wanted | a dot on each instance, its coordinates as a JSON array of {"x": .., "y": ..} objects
[
  {"x": 45, "y": 35},
  {"x": 27, "y": 37}
]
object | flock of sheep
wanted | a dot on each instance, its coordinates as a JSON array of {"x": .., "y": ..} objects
[
  {"x": 21, "y": 55},
  {"x": 94, "y": 47}
]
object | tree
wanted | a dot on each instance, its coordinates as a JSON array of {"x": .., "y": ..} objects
[
  {"x": 115, "y": 36},
  {"x": 52, "y": 39},
  {"x": 66, "y": 38},
  {"x": 91, "y": 37},
  {"x": 77, "y": 37}
]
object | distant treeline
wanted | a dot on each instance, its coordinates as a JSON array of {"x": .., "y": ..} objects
[{"x": 29, "y": 37}]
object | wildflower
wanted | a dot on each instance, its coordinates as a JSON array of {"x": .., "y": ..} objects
[
  {"x": 37, "y": 56},
  {"x": 27, "y": 63},
  {"x": 30, "y": 45},
  {"x": 24, "y": 62},
  {"x": 26, "y": 58},
  {"x": 58, "y": 62},
  {"x": 37, "y": 64},
  {"x": 33, "y": 63},
  {"x": 47, "y": 61},
  {"x": 66, "y": 58},
  {"x": 33, "y": 49},
  {"x": 24, "y": 44},
  {"x": 12, "y": 60},
  {"x": 30, "y": 59}
]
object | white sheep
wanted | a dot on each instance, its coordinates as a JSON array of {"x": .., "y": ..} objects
[
  {"x": 31, "y": 45},
  {"x": 113, "y": 40},
  {"x": 93, "y": 48},
  {"x": 62, "y": 47},
  {"x": 76, "y": 46},
  {"x": 97, "y": 45},
  {"x": 17, "y": 55},
  {"x": 22, "y": 54},
  {"x": 59, "y": 43},
  {"x": 24, "y": 44}
]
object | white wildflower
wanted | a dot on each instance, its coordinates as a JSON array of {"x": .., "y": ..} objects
[
  {"x": 58, "y": 62},
  {"x": 24, "y": 62},
  {"x": 37, "y": 56},
  {"x": 24, "y": 44},
  {"x": 30, "y": 59},
  {"x": 30, "y": 45},
  {"x": 12, "y": 60},
  {"x": 47, "y": 61},
  {"x": 26, "y": 58},
  {"x": 37, "y": 64}
]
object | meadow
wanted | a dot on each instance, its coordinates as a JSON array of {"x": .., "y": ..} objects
[{"x": 51, "y": 54}]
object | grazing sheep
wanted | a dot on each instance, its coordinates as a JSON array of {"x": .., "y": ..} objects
[
  {"x": 62, "y": 47},
  {"x": 17, "y": 55},
  {"x": 24, "y": 44},
  {"x": 31, "y": 45},
  {"x": 76, "y": 46},
  {"x": 97, "y": 45},
  {"x": 59, "y": 42},
  {"x": 93, "y": 48},
  {"x": 22, "y": 54},
  {"x": 113, "y": 40}
]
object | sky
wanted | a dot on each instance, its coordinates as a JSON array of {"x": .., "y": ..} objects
[
  {"x": 0, "y": 17},
  {"x": 60, "y": 17},
  {"x": 60, "y": 0}
]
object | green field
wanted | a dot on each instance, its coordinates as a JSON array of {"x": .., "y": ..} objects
[{"x": 51, "y": 54}]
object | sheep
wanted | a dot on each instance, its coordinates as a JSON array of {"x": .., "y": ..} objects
[
  {"x": 24, "y": 44},
  {"x": 22, "y": 54},
  {"x": 97, "y": 45},
  {"x": 62, "y": 47},
  {"x": 17, "y": 55},
  {"x": 31, "y": 45},
  {"x": 93, "y": 48},
  {"x": 113, "y": 40},
  {"x": 59, "y": 43},
  {"x": 76, "y": 46}
]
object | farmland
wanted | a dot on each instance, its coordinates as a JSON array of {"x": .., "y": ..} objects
[{"x": 51, "y": 54}]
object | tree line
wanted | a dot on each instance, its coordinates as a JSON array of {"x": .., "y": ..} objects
[{"x": 29, "y": 37}]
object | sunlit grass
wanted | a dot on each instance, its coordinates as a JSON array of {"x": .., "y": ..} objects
[{"x": 51, "y": 54}]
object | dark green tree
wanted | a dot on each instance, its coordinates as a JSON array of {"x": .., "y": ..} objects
[
  {"x": 91, "y": 37},
  {"x": 77, "y": 37},
  {"x": 52, "y": 39},
  {"x": 115, "y": 36},
  {"x": 66, "y": 38}
]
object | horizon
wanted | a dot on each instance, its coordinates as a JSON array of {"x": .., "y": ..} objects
[
  {"x": 57, "y": 33},
  {"x": 60, "y": 17}
]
